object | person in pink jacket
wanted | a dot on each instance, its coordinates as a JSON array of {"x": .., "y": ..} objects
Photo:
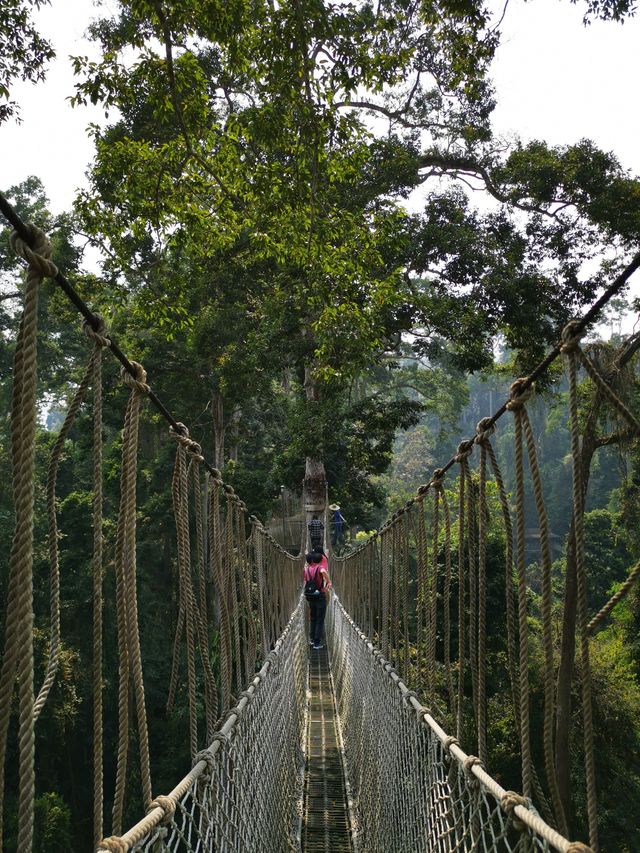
[{"x": 317, "y": 584}]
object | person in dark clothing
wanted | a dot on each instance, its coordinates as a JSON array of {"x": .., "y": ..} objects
[
  {"x": 316, "y": 589},
  {"x": 316, "y": 533},
  {"x": 338, "y": 522}
]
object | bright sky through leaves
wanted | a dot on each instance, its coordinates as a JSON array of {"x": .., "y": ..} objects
[{"x": 556, "y": 80}]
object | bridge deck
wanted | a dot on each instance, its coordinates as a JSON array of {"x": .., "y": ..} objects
[{"x": 326, "y": 826}]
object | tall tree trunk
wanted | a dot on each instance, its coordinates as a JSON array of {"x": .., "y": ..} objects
[
  {"x": 234, "y": 433},
  {"x": 217, "y": 414},
  {"x": 315, "y": 480}
]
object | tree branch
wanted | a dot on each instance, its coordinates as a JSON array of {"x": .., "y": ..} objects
[
  {"x": 466, "y": 166},
  {"x": 177, "y": 108}
]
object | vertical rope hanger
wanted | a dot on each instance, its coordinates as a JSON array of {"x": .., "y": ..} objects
[
  {"x": 482, "y": 594},
  {"x": 570, "y": 347},
  {"x": 128, "y": 635},
  {"x": 517, "y": 399},
  {"x": 18, "y": 649},
  {"x": 93, "y": 376},
  {"x": 100, "y": 341},
  {"x": 462, "y": 456}
]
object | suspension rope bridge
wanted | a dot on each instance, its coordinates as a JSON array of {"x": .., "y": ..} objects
[{"x": 304, "y": 750}]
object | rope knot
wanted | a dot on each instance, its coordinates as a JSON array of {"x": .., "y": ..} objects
[
  {"x": 518, "y": 397},
  {"x": 181, "y": 435},
  {"x": 408, "y": 696},
  {"x": 464, "y": 450},
  {"x": 470, "y": 762},
  {"x": 36, "y": 252},
  {"x": 114, "y": 844},
  {"x": 423, "y": 489},
  {"x": 448, "y": 742},
  {"x": 248, "y": 695},
  {"x": 274, "y": 658},
  {"x": 570, "y": 338},
  {"x": 138, "y": 381},
  {"x": 578, "y": 847},
  {"x": 437, "y": 479},
  {"x": 167, "y": 804},
  {"x": 511, "y": 799},
  {"x": 208, "y": 757},
  {"x": 96, "y": 331},
  {"x": 484, "y": 429},
  {"x": 221, "y": 738}
]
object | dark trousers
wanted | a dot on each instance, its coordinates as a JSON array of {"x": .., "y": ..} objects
[
  {"x": 316, "y": 542},
  {"x": 317, "y": 612}
]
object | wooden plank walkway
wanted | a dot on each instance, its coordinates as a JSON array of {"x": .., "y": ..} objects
[{"x": 325, "y": 827}]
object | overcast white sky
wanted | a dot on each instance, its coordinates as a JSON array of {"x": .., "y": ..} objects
[{"x": 556, "y": 80}]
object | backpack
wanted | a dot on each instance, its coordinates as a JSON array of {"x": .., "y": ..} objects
[{"x": 311, "y": 588}]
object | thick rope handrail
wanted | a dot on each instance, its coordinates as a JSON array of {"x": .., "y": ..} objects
[
  {"x": 509, "y": 802},
  {"x": 202, "y": 762}
]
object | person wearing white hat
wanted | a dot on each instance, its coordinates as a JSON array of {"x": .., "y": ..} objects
[{"x": 337, "y": 526}]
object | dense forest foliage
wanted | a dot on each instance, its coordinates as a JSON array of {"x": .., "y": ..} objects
[{"x": 249, "y": 197}]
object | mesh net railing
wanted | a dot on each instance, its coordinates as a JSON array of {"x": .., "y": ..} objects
[
  {"x": 244, "y": 791},
  {"x": 413, "y": 788}
]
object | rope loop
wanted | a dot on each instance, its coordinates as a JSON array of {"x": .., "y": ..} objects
[
  {"x": 408, "y": 696},
  {"x": 221, "y": 738},
  {"x": 518, "y": 397},
  {"x": 114, "y": 844},
  {"x": 208, "y": 757},
  {"x": 448, "y": 742},
  {"x": 578, "y": 847},
  {"x": 437, "y": 479},
  {"x": 181, "y": 435},
  {"x": 511, "y": 799},
  {"x": 465, "y": 448},
  {"x": 570, "y": 338},
  {"x": 138, "y": 382},
  {"x": 274, "y": 658},
  {"x": 248, "y": 695},
  {"x": 422, "y": 490},
  {"x": 36, "y": 252},
  {"x": 484, "y": 428},
  {"x": 167, "y": 804},
  {"x": 470, "y": 762},
  {"x": 96, "y": 331}
]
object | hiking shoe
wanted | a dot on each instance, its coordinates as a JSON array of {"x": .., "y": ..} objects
[{"x": 317, "y": 647}]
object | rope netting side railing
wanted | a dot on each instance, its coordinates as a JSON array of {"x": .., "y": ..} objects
[
  {"x": 420, "y": 587},
  {"x": 412, "y": 785},
  {"x": 236, "y": 591},
  {"x": 242, "y": 791}
]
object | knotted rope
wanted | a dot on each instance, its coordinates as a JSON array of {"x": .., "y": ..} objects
[
  {"x": 130, "y": 665},
  {"x": 571, "y": 348},
  {"x": 18, "y": 649},
  {"x": 517, "y": 400}
]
